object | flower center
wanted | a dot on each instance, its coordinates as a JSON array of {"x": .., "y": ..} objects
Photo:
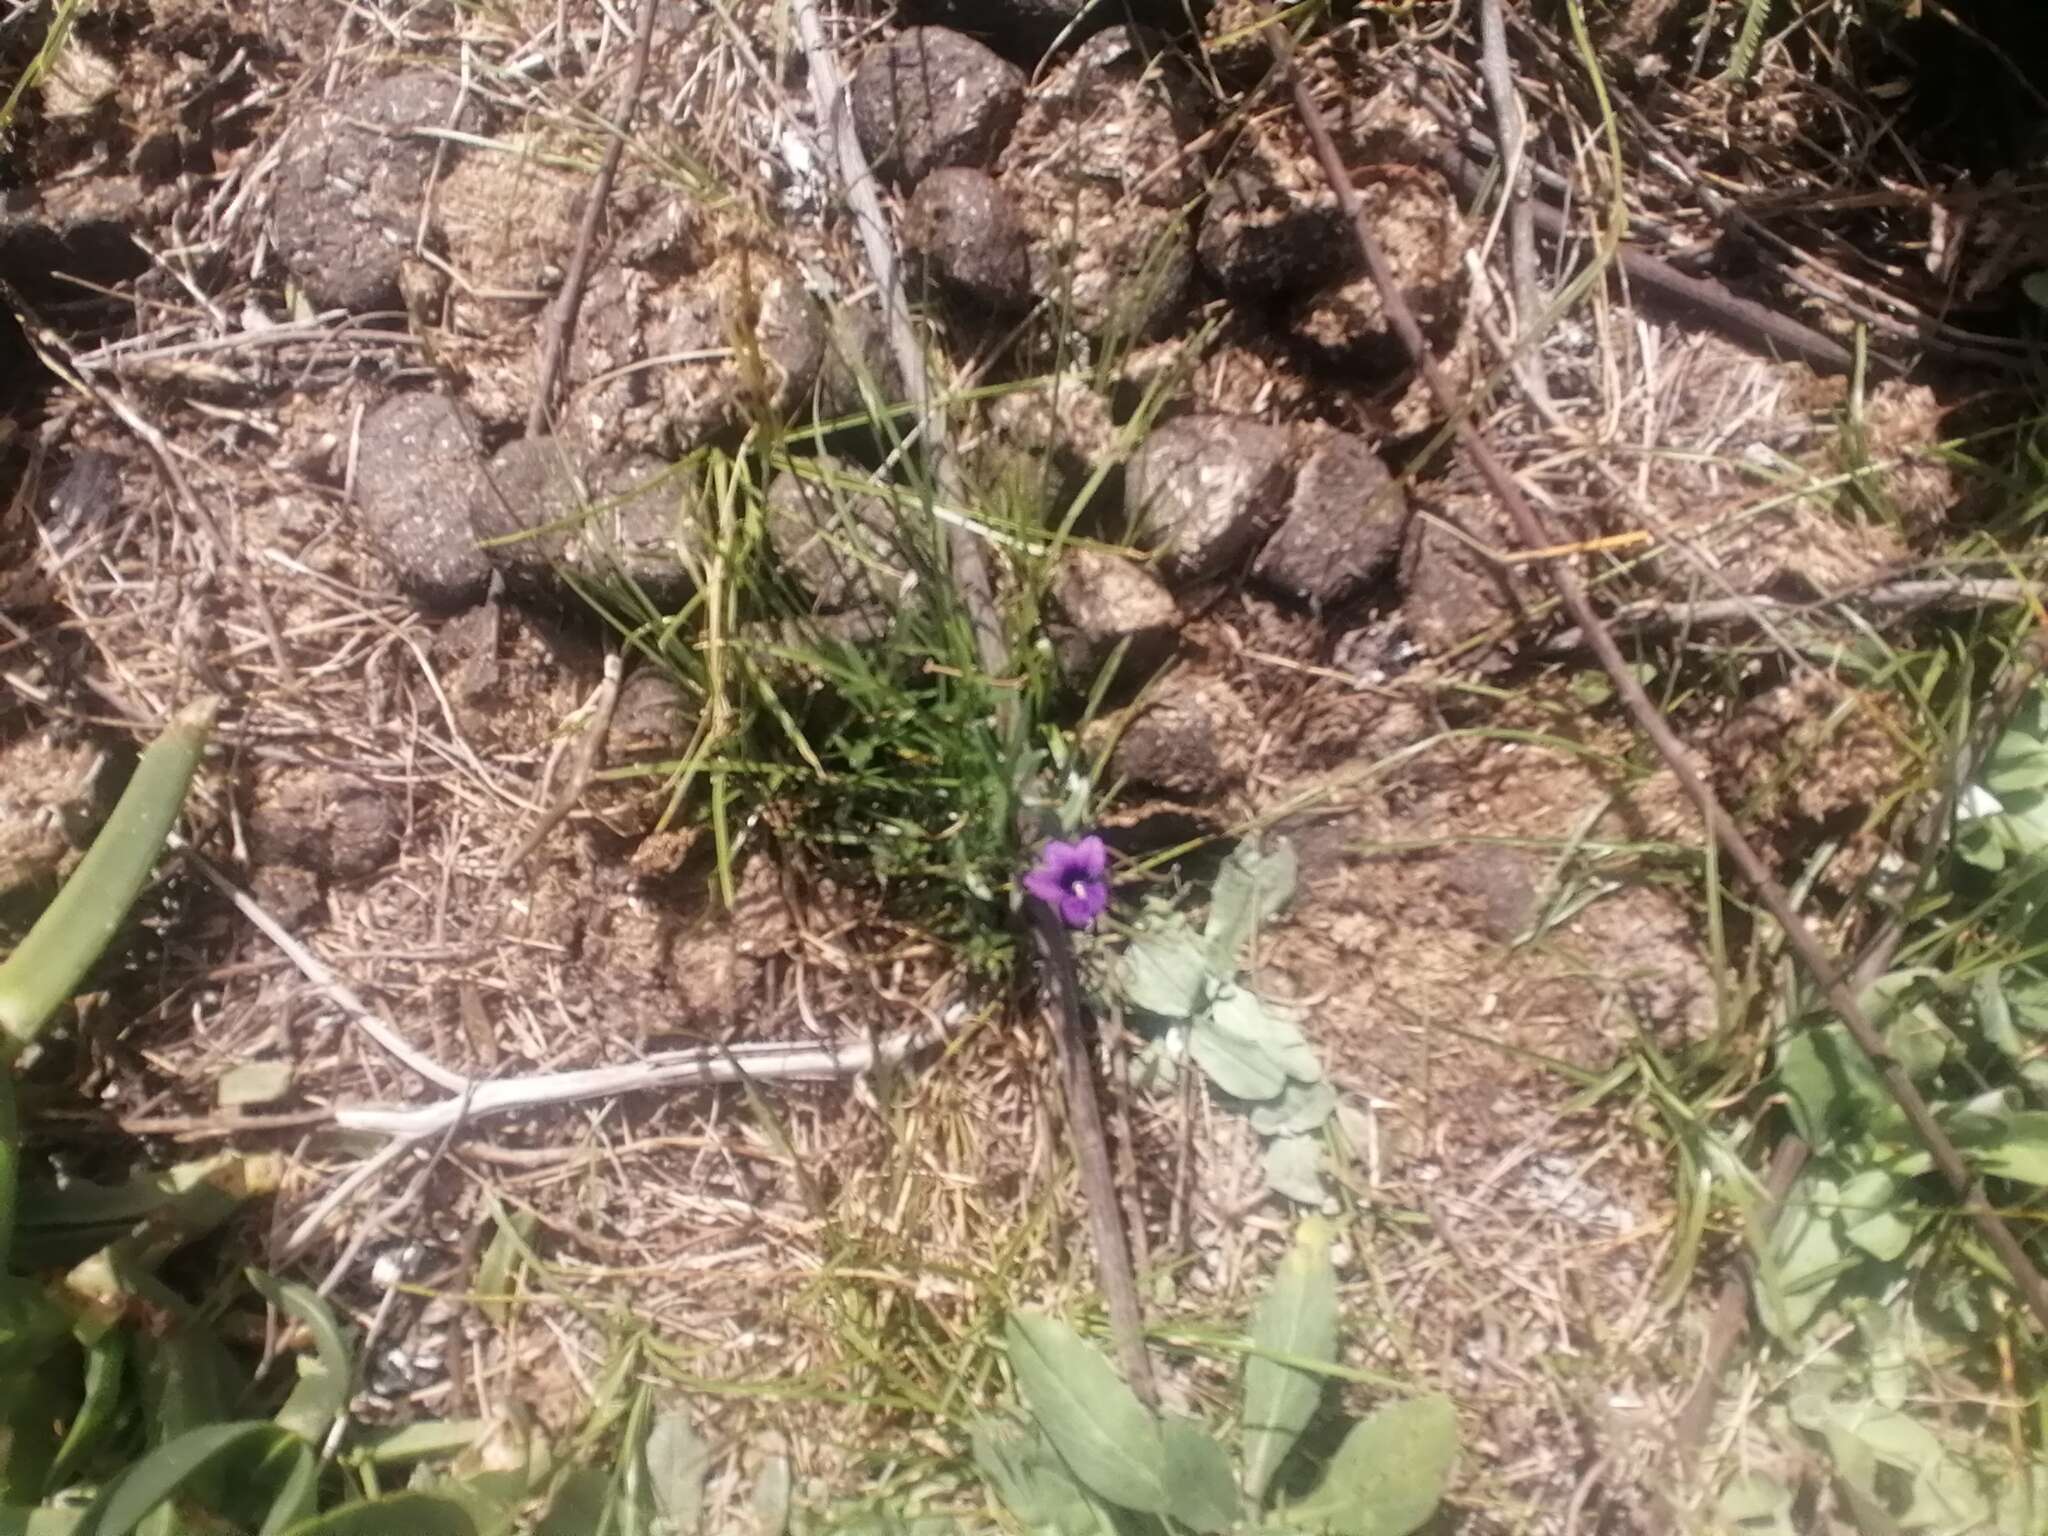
[{"x": 1079, "y": 887}]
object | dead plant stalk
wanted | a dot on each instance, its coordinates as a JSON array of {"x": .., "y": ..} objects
[{"x": 1825, "y": 968}]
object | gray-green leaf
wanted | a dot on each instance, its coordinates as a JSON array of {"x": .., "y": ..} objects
[
  {"x": 1198, "y": 1475},
  {"x": 1295, "y": 1323},
  {"x": 1250, "y": 888},
  {"x": 1031, "y": 1481},
  {"x": 1238, "y": 1067},
  {"x": 677, "y": 1459},
  {"x": 1166, "y": 971},
  {"x": 1106, "y": 1436},
  {"x": 1301, "y": 1107},
  {"x": 1275, "y": 1030},
  {"x": 1389, "y": 1474},
  {"x": 1294, "y": 1167}
]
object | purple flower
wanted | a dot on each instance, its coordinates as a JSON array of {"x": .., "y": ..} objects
[{"x": 1072, "y": 879}]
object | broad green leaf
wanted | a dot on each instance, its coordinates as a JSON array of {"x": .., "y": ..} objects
[
  {"x": 1871, "y": 1214},
  {"x": 1251, "y": 886},
  {"x": 298, "y": 1494},
  {"x": 1029, "y": 1480},
  {"x": 2009, "y": 1145},
  {"x": 149, "y": 1217},
  {"x": 254, "y": 1082},
  {"x": 511, "y": 1241},
  {"x": 166, "y": 1471},
  {"x": 2035, "y": 286},
  {"x": 415, "y": 1442},
  {"x": 1756, "y": 1505},
  {"x": 1945, "y": 1492},
  {"x": 1831, "y": 1087},
  {"x": 10, "y": 1173},
  {"x": 76, "y": 927},
  {"x": 1241, "y": 1069},
  {"x": 407, "y": 1512},
  {"x": 1293, "y": 1166},
  {"x": 33, "y": 1405},
  {"x": 1166, "y": 971},
  {"x": 1198, "y": 1477},
  {"x": 1275, "y": 1030},
  {"x": 677, "y": 1460},
  {"x": 1106, "y": 1436},
  {"x": 1301, "y": 1107},
  {"x": 106, "y": 1360},
  {"x": 1803, "y": 1256},
  {"x": 17, "y": 1520},
  {"x": 580, "y": 1504},
  {"x": 1388, "y": 1476},
  {"x": 322, "y": 1392},
  {"x": 1296, "y": 1321}
]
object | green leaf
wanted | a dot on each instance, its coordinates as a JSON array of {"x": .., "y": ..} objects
[
  {"x": 298, "y": 1494},
  {"x": 1301, "y": 1108},
  {"x": 1250, "y": 887},
  {"x": 10, "y": 1175},
  {"x": 1388, "y": 1476},
  {"x": 511, "y": 1241},
  {"x": 677, "y": 1460},
  {"x": 1239, "y": 1068},
  {"x": 409, "y": 1512},
  {"x": 21, "y": 1521},
  {"x": 1106, "y": 1436},
  {"x": 1030, "y": 1481},
  {"x": 2009, "y": 1145},
  {"x": 106, "y": 1359},
  {"x": 2035, "y": 286},
  {"x": 32, "y": 1327},
  {"x": 321, "y": 1395},
  {"x": 1203, "y": 1491},
  {"x": 76, "y": 927},
  {"x": 1293, "y": 1166},
  {"x": 1166, "y": 971},
  {"x": 33, "y": 1404},
  {"x": 1296, "y": 1321},
  {"x": 126, "y": 1501},
  {"x": 1275, "y": 1030}
]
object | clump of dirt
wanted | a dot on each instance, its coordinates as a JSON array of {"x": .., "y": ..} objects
[{"x": 49, "y": 802}]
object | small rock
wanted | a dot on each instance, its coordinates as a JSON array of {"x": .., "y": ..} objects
[
  {"x": 836, "y": 539},
  {"x": 350, "y": 181},
  {"x": 928, "y": 98},
  {"x": 1100, "y": 174},
  {"x": 527, "y": 494},
  {"x": 739, "y": 339},
  {"x": 636, "y": 539},
  {"x": 652, "y": 719},
  {"x": 1497, "y": 887},
  {"x": 329, "y": 823},
  {"x": 857, "y": 356},
  {"x": 1191, "y": 744},
  {"x": 1450, "y": 591},
  {"x": 1207, "y": 489},
  {"x": 1050, "y": 438},
  {"x": 1344, "y": 525},
  {"x": 1264, "y": 238},
  {"x": 418, "y": 472},
  {"x": 1345, "y": 326},
  {"x": 41, "y": 252},
  {"x": 1104, "y": 601},
  {"x": 288, "y": 893},
  {"x": 963, "y": 230}
]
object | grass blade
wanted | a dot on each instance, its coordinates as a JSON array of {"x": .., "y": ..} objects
[{"x": 79, "y": 924}]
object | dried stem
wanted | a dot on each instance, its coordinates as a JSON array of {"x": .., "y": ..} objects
[
  {"x": 561, "y": 323},
  {"x": 1826, "y": 969}
]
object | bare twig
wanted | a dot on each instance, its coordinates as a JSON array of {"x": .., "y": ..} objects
[
  {"x": 561, "y": 322},
  {"x": 1506, "y": 102},
  {"x": 1826, "y": 969},
  {"x": 589, "y": 754},
  {"x": 1913, "y": 595}
]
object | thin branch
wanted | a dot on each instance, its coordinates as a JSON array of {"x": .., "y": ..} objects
[
  {"x": 561, "y": 321},
  {"x": 1506, "y": 102},
  {"x": 1826, "y": 969}
]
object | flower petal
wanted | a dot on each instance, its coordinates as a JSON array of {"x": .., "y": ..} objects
[
  {"x": 1046, "y": 886},
  {"x": 1078, "y": 911},
  {"x": 1093, "y": 856}
]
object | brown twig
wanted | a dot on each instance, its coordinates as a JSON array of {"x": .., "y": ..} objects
[
  {"x": 1911, "y": 595},
  {"x": 1506, "y": 102},
  {"x": 561, "y": 322},
  {"x": 589, "y": 756},
  {"x": 1826, "y": 969}
]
